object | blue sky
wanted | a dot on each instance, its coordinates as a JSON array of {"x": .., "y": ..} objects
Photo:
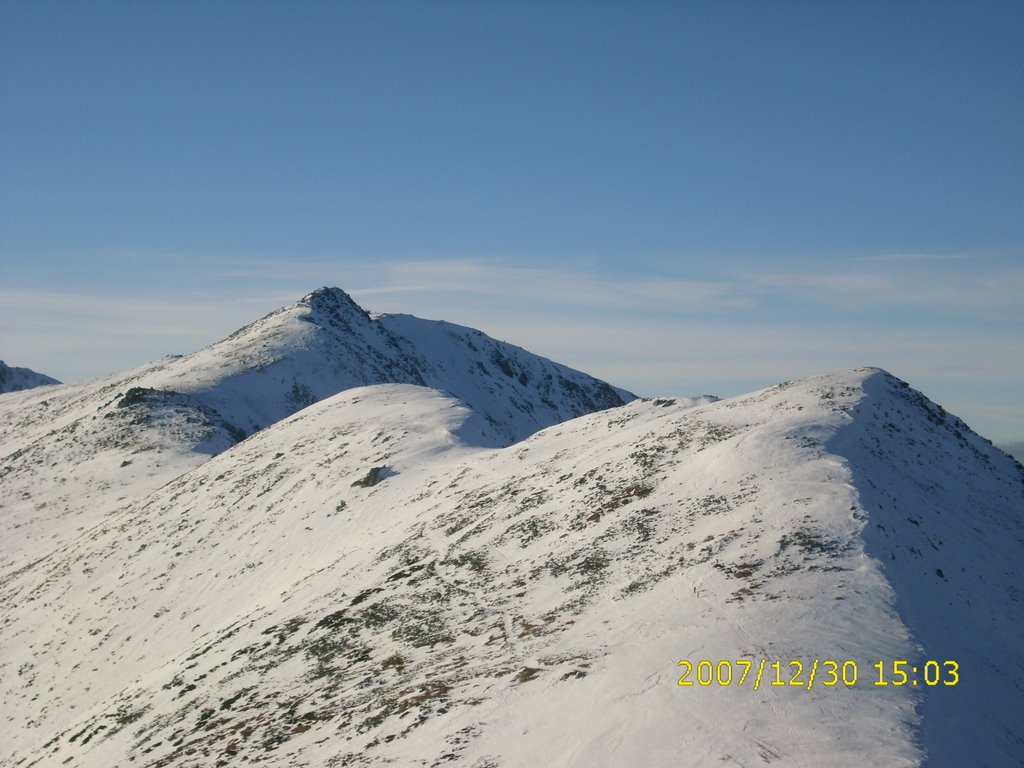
[{"x": 678, "y": 197}]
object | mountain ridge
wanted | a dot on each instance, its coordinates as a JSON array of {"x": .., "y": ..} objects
[
  {"x": 149, "y": 425},
  {"x": 927, "y": 529},
  {"x": 366, "y": 582},
  {"x": 329, "y": 334}
]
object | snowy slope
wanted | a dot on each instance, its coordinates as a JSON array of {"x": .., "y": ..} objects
[
  {"x": 17, "y": 379},
  {"x": 121, "y": 436},
  {"x": 326, "y": 343},
  {"x": 946, "y": 519},
  {"x": 367, "y": 582},
  {"x": 71, "y": 455}
]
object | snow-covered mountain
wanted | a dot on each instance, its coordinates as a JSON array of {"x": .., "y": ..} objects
[
  {"x": 17, "y": 379},
  {"x": 326, "y": 343},
  {"x": 376, "y": 580},
  {"x": 116, "y": 437}
]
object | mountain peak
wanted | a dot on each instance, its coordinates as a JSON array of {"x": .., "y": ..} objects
[
  {"x": 331, "y": 294},
  {"x": 332, "y": 307},
  {"x": 331, "y": 300}
]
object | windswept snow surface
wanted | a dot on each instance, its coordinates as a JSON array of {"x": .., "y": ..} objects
[{"x": 372, "y": 582}]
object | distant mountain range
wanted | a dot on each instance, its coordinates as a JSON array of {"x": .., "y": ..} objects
[
  {"x": 343, "y": 539},
  {"x": 1014, "y": 449},
  {"x": 17, "y": 379}
]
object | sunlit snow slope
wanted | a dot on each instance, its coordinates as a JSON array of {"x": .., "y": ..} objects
[
  {"x": 72, "y": 454},
  {"x": 375, "y": 581}
]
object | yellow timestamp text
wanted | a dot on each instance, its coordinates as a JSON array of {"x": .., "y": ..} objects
[{"x": 822, "y": 672}]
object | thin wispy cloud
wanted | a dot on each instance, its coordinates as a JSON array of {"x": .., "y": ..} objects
[
  {"x": 832, "y": 285},
  {"x": 81, "y": 335},
  {"x": 724, "y": 333},
  {"x": 983, "y": 293},
  {"x": 904, "y": 257},
  {"x": 556, "y": 286},
  {"x": 380, "y": 280}
]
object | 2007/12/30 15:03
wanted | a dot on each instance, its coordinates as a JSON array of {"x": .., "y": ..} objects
[{"x": 827, "y": 672}]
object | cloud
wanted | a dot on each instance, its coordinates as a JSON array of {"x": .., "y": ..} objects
[
  {"x": 988, "y": 294},
  {"x": 950, "y": 327},
  {"x": 663, "y": 354},
  {"x": 834, "y": 286},
  {"x": 75, "y": 336},
  {"x": 955, "y": 367},
  {"x": 557, "y": 286},
  {"x": 384, "y": 280},
  {"x": 903, "y": 257}
]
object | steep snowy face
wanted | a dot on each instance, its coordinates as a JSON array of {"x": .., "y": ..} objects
[
  {"x": 945, "y": 514},
  {"x": 17, "y": 379},
  {"x": 120, "y": 436},
  {"x": 361, "y": 585}
]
